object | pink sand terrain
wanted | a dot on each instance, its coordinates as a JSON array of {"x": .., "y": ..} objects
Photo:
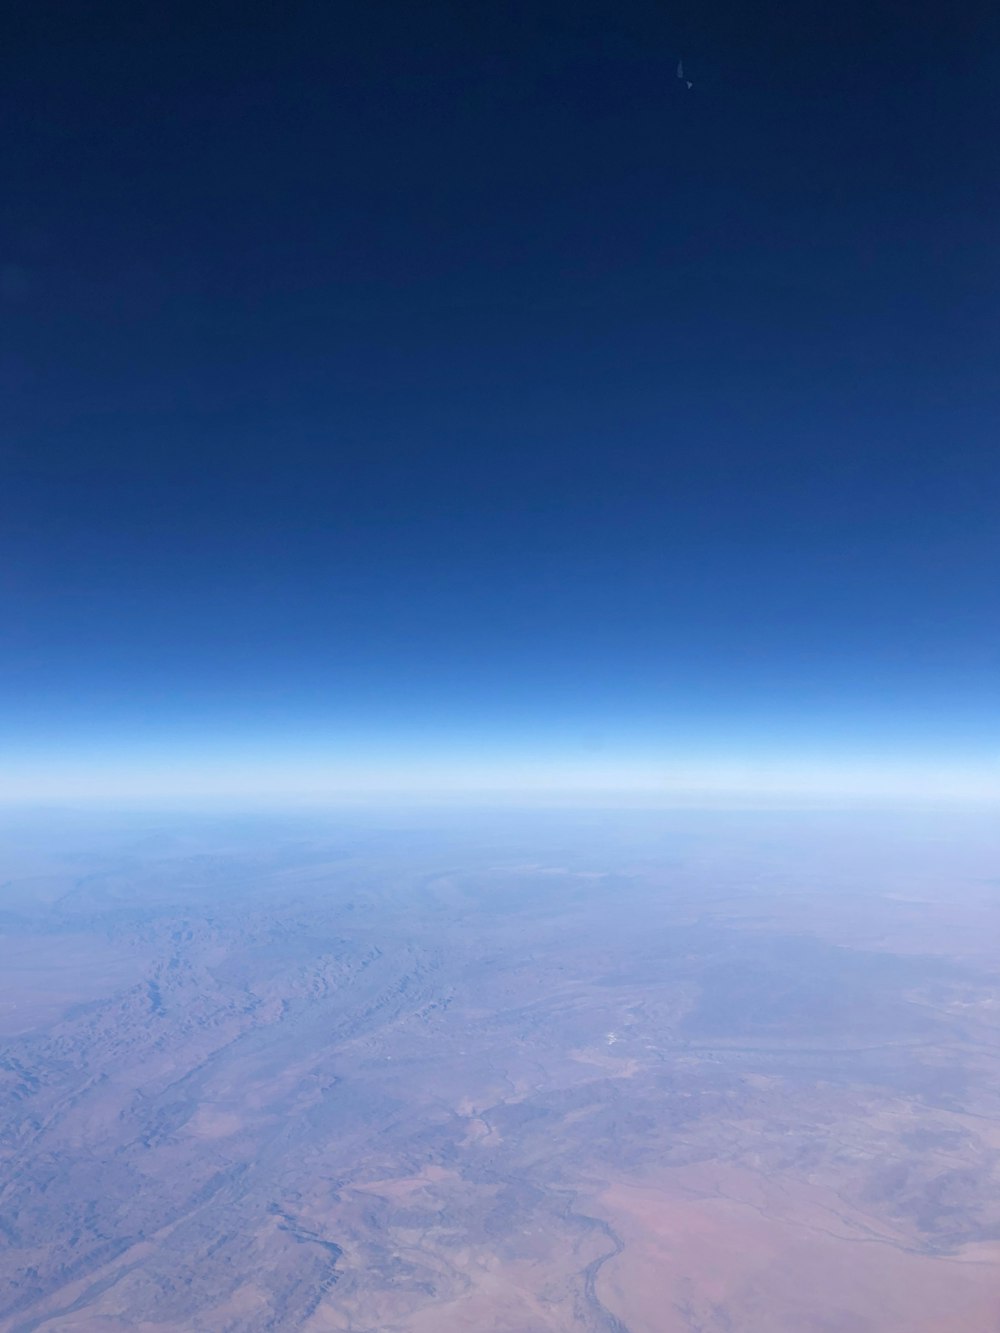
[{"x": 661, "y": 1074}]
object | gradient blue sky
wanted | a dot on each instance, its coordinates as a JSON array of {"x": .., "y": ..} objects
[{"x": 444, "y": 398}]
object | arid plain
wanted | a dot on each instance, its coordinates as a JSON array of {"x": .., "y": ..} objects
[{"x": 676, "y": 1073}]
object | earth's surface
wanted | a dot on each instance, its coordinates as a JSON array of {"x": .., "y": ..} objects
[{"x": 675, "y": 1073}]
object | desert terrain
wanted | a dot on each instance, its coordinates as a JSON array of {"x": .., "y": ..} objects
[{"x": 628, "y": 1073}]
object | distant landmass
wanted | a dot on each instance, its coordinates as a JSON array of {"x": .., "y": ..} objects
[{"x": 632, "y": 1073}]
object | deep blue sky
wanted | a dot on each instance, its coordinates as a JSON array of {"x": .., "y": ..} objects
[{"x": 449, "y": 382}]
